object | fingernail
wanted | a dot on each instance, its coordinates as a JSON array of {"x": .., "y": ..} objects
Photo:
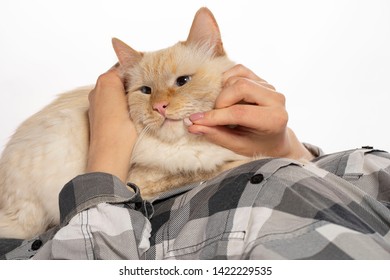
[
  {"x": 196, "y": 116},
  {"x": 187, "y": 122},
  {"x": 195, "y": 132},
  {"x": 198, "y": 133}
]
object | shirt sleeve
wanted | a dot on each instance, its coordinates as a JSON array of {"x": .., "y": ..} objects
[
  {"x": 100, "y": 219},
  {"x": 368, "y": 169},
  {"x": 335, "y": 208},
  {"x": 314, "y": 150}
]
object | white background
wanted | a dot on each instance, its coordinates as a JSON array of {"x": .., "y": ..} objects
[{"x": 330, "y": 58}]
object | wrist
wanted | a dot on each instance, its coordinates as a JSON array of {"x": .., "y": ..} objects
[
  {"x": 296, "y": 149},
  {"x": 110, "y": 156}
]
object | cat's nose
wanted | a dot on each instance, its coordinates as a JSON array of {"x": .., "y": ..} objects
[{"x": 161, "y": 107}]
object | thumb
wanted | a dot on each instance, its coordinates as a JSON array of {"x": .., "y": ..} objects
[
  {"x": 214, "y": 117},
  {"x": 221, "y": 136}
]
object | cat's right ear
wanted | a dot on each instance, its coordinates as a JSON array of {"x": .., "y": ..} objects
[
  {"x": 205, "y": 31},
  {"x": 126, "y": 55}
]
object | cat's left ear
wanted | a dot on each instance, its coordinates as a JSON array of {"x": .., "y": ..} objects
[
  {"x": 126, "y": 55},
  {"x": 205, "y": 30}
]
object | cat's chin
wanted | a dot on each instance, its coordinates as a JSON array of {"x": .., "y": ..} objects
[{"x": 171, "y": 130}]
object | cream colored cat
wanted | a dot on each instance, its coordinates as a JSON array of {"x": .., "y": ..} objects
[{"x": 164, "y": 88}]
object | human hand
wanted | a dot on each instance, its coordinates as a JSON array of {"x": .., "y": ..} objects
[
  {"x": 112, "y": 133},
  {"x": 249, "y": 118}
]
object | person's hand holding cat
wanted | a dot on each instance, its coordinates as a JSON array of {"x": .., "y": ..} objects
[
  {"x": 258, "y": 116},
  {"x": 112, "y": 133}
]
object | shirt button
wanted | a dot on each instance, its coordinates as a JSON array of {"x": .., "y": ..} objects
[
  {"x": 36, "y": 245},
  {"x": 368, "y": 147},
  {"x": 256, "y": 179}
]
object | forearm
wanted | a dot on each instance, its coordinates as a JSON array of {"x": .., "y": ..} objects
[
  {"x": 112, "y": 133},
  {"x": 109, "y": 155}
]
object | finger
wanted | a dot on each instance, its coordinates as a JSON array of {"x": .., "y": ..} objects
[
  {"x": 110, "y": 81},
  {"x": 240, "y": 70},
  {"x": 91, "y": 95},
  {"x": 107, "y": 82},
  {"x": 108, "y": 95},
  {"x": 224, "y": 137},
  {"x": 262, "y": 119},
  {"x": 267, "y": 85},
  {"x": 248, "y": 91},
  {"x": 115, "y": 66},
  {"x": 231, "y": 80}
]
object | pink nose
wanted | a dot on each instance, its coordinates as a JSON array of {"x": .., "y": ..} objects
[{"x": 161, "y": 107}]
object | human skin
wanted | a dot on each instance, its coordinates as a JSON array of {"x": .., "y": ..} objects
[{"x": 112, "y": 133}]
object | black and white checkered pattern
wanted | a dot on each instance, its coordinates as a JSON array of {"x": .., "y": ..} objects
[{"x": 336, "y": 207}]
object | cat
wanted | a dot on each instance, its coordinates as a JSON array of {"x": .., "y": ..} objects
[{"x": 163, "y": 87}]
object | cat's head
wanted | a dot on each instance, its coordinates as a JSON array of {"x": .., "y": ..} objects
[{"x": 168, "y": 85}]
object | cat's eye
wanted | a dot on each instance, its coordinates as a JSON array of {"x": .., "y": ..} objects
[
  {"x": 145, "y": 90},
  {"x": 182, "y": 80}
]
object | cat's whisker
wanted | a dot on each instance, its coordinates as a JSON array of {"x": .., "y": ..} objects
[{"x": 144, "y": 132}]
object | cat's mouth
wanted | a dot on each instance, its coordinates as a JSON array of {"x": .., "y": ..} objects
[
  {"x": 175, "y": 122},
  {"x": 171, "y": 129},
  {"x": 169, "y": 121}
]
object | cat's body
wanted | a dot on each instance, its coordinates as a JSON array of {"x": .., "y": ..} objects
[
  {"x": 45, "y": 152},
  {"x": 164, "y": 88}
]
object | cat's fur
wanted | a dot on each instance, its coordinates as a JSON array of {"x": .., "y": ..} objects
[{"x": 51, "y": 147}]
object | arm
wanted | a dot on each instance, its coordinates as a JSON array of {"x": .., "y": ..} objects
[
  {"x": 98, "y": 211},
  {"x": 112, "y": 133},
  {"x": 100, "y": 219}
]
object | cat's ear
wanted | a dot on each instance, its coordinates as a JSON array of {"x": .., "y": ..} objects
[
  {"x": 205, "y": 30},
  {"x": 126, "y": 55}
]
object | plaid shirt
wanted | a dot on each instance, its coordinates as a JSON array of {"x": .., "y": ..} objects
[{"x": 336, "y": 207}]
